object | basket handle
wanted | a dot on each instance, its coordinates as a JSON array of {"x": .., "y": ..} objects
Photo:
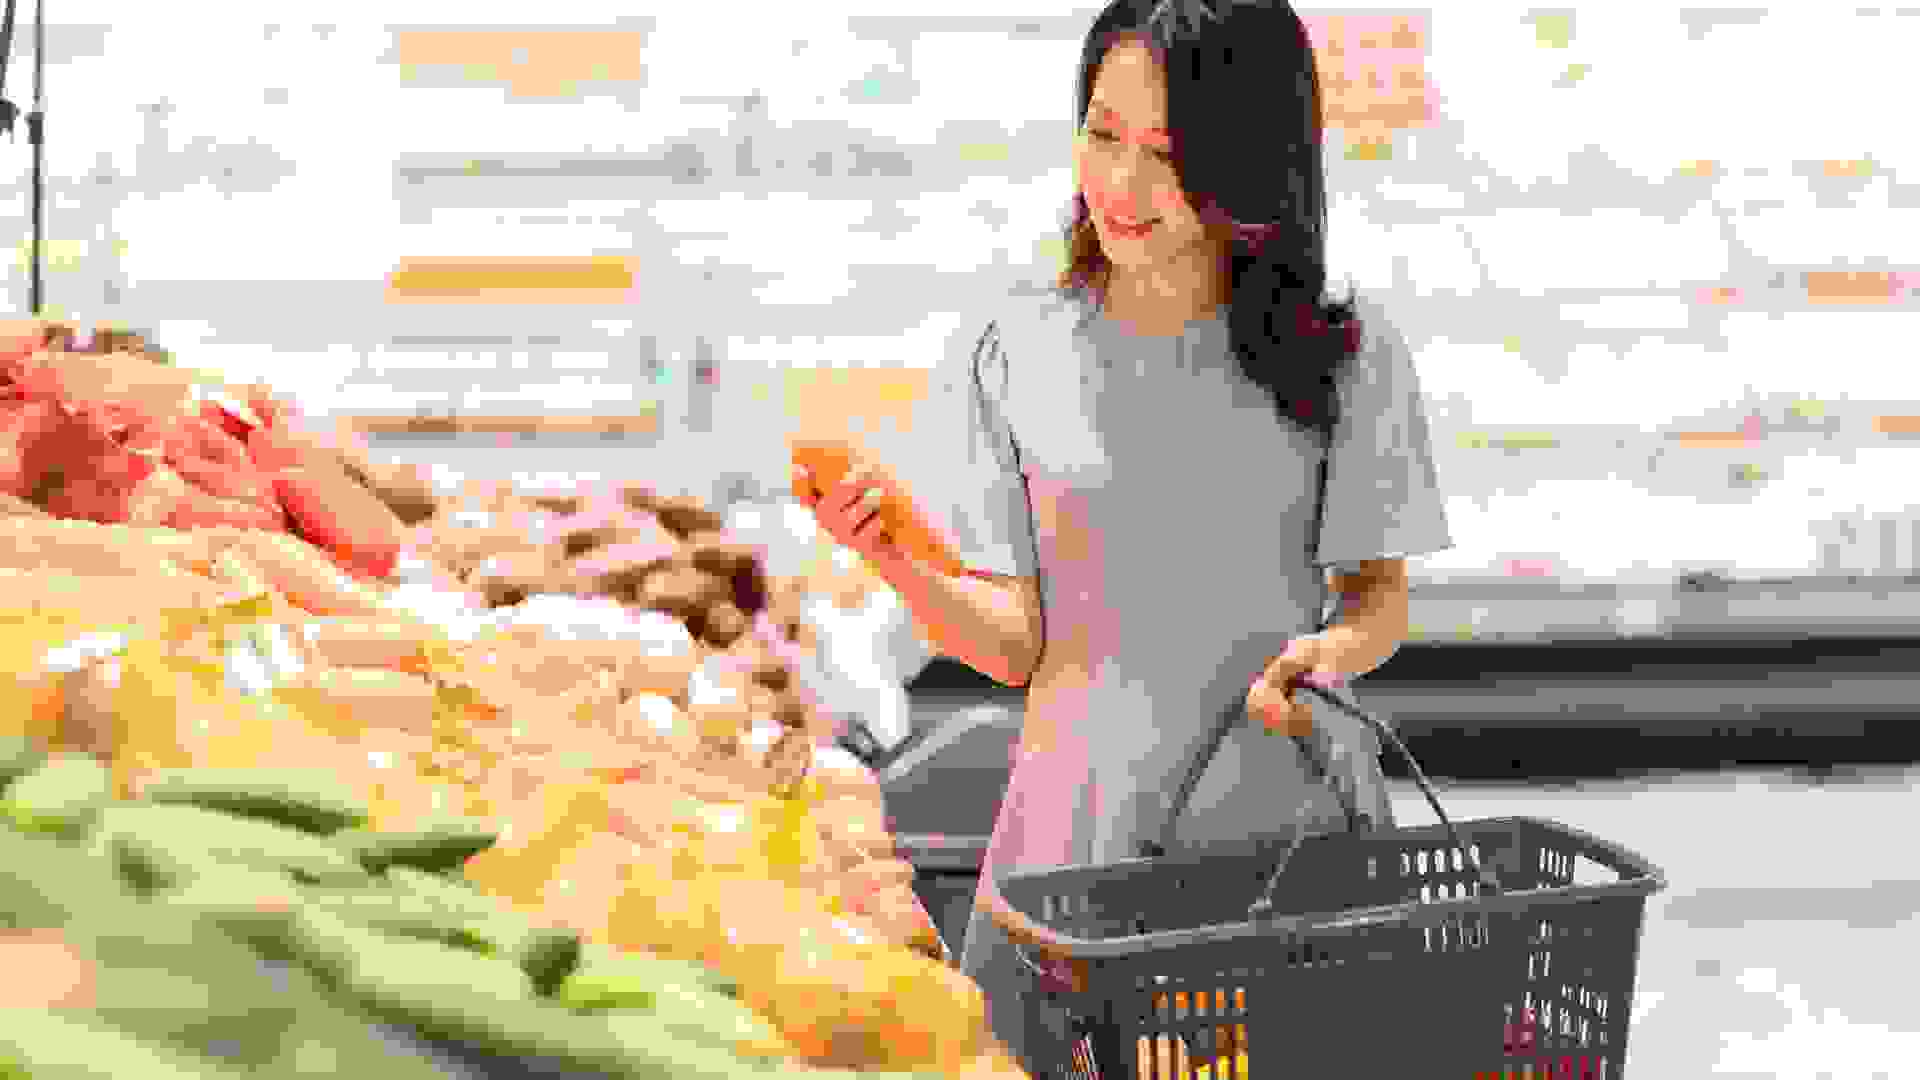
[
  {"x": 1316, "y": 747},
  {"x": 1489, "y": 885}
]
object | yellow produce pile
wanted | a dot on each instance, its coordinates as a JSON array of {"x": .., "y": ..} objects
[{"x": 630, "y": 782}]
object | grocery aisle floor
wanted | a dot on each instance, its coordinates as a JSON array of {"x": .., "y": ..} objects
[{"x": 1784, "y": 945}]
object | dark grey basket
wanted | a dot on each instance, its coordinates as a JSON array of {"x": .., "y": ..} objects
[{"x": 1386, "y": 953}]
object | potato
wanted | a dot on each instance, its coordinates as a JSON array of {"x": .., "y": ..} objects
[
  {"x": 722, "y": 625},
  {"x": 759, "y": 664},
  {"x": 795, "y": 713},
  {"x": 510, "y": 577},
  {"x": 717, "y": 555},
  {"x": 684, "y": 516},
  {"x": 739, "y": 564},
  {"x": 407, "y": 490},
  {"x": 682, "y": 591},
  {"x": 565, "y": 505},
  {"x": 627, "y": 561},
  {"x": 575, "y": 542},
  {"x": 639, "y": 497}
]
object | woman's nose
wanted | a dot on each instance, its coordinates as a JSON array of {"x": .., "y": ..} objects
[{"x": 1124, "y": 195}]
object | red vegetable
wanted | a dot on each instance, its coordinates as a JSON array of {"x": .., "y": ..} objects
[
  {"x": 218, "y": 464},
  {"x": 83, "y": 470},
  {"x": 197, "y": 509},
  {"x": 342, "y": 518},
  {"x": 21, "y": 426}
]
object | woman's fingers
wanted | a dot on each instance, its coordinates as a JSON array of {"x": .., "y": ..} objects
[
  {"x": 1279, "y": 708},
  {"x": 856, "y": 490},
  {"x": 870, "y": 535},
  {"x": 852, "y": 511}
]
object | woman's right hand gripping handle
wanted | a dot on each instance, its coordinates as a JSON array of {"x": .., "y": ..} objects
[{"x": 991, "y": 624}]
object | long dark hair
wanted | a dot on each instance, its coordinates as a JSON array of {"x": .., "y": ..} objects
[{"x": 1243, "y": 101}]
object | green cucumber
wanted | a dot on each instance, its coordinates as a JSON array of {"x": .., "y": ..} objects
[
  {"x": 651, "y": 1048},
  {"x": 692, "y": 1000},
  {"x": 439, "y": 848},
  {"x": 256, "y": 906},
  {"x": 452, "y": 894},
  {"x": 420, "y": 965},
  {"x": 328, "y": 945},
  {"x": 506, "y": 930},
  {"x": 46, "y": 884},
  {"x": 549, "y": 955},
  {"x": 610, "y": 978},
  {"x": 42, "y": 1044},
  {"x": 19, "y": 756},
  {"x": 63, "y": 795},
  {"x": 181, "y": 978},
  {"x": 309, "y": 800},
  {"x": 451, "y": 996},
  {"x": 712, "y": 1020},
  {"x": 167, "y": 846},
  {"x": 406, "y": 915}
]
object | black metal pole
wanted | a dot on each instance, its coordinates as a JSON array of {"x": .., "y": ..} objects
[
  {"x": 6, "y": 46},
  {"x": 37, "y": 134}
]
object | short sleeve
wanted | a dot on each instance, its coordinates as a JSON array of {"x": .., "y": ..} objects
[
  {"x": 1383, "y": 498},
  {"x": 975, "y": 458}
]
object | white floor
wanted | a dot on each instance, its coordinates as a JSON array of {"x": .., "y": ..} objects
[{"x": 1785, "y": 944}]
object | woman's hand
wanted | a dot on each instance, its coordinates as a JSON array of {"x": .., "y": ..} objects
[
  {"x": 1274, "y": 697},
  {"x": 850, "y": 512}
]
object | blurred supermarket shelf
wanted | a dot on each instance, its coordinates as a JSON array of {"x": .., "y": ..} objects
[
  {"x": 1539, "y": 713},
  {"x": 1811, "y": 606}
]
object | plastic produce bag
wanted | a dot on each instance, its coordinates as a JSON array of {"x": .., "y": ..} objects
[{"x": 854, "y": 676}]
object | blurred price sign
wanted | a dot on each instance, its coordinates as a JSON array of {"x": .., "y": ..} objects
[
  {"x": 530, "y": 64},
  {"x": 589, "y": 280}
]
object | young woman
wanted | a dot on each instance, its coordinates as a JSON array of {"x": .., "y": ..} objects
[{"x": 1166, "y": 456}]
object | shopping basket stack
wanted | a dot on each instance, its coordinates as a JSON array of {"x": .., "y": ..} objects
[{"x": 1440, "y": 952}]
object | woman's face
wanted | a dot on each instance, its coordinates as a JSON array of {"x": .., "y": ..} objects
[{"x": 1123, "y": 164}]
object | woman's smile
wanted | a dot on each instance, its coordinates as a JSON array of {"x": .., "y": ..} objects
[{"x": 1130, "y": 230}]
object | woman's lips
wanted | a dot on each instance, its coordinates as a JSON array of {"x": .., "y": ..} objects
[{"x": 1120, "y": 228}]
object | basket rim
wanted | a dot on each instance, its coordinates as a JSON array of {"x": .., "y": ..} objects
[{"x": 1640, "y": 879}]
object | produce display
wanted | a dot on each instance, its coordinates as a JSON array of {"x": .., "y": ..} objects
[{"x": 241, "y": 764}]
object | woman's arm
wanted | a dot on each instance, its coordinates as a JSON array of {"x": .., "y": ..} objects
[
  {"x": 988, "y": 622},
  {"x": 1371, "y": 620}
]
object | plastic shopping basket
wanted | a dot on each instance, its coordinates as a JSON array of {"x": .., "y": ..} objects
[{"x": 1374, "y": 953}]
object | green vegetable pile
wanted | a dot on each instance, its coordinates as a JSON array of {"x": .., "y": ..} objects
[{"x": 244, "y": 923}]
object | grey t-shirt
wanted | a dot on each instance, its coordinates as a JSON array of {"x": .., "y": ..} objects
[{"x": 1170, "y": 516}]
